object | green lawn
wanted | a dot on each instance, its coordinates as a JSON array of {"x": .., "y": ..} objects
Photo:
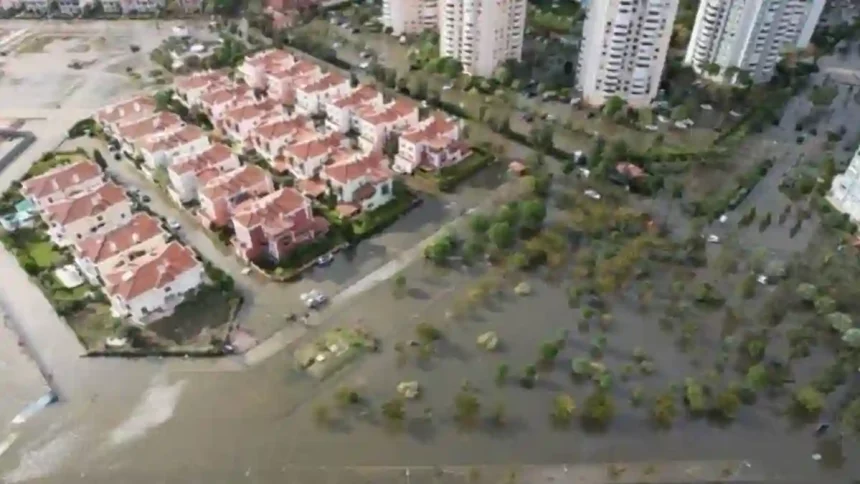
[
  {"x": 375, "y": 221},
  {"x": 197, "y": 319},
  {"x": 94, "y": 324},
  {"x": 44, "y": 254}
]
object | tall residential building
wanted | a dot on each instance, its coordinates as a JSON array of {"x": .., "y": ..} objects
[
  {"x": 749, "y": 35},
  {"x": 844, "y": 192},
  {"x": 410, "y": 16},
  {"x": 624, "y": 48},
  {"x": 482, "y": 34}
]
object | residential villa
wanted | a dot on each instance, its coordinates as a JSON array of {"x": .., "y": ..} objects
[
  {"x": 151, "y": 287},
  {"x": 222, "y": 194},
  {"x": 340, "y": 112},
  {"x": 160, "y": 150},
  {"x": 282, "y": 81},
  {"x": 190, "y": 89},
  {"x": 217, "y": 101},
  {"x": 102, "y": 254},
  {"x": 87, "y": 214},
  {"x": 238, "y": 123},
  {"x": 376, "y": 123},
  {"x": 304, "y": 158},
  {"x": 126, "y": 112},
  {"x": 361, "y": 184},
  {"x": 158, "y": 124},
  {"x": 255, "y": 68},
  {"x": 272, "y": 226},
  {"x": 312, "y": 95},
  {"x": 62, "y": 182},
  {"x": 433, "y": 144},
  {"x": 269, "y": 139},
  {"x": 188, "y": 173}
]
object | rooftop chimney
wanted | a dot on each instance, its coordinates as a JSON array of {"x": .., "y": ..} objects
[
  {"x": 113, "y": 246},
  {"x": 76, "y": 178},
  {"x": 135, "y": 237}
]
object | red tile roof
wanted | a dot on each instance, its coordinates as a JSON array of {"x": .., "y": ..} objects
[
  {"x": 86, "y": 205},
  {"x": 173, "y": 140},
  {"x": 61, "y": 178},
  {"x": 141, "y": 228},
  {"x": 275, "y": 212},
  {"x": 153, "y": 273},
  {"x": 123, "y": 109},
  {"x": 325, "y": 82},
  {"x": 281, "y": 128},
  {"x": 234, "y": 182},
  {"x": 158, "y": 122},
  {"x": 299, "y": 69},
  {"x": 316, "y": 147},
  {"x": 357, "y": 97},
  {"x": 372, "y": 166},
  {"x": 226, "y": 94},
  {"x": 429, "y": 129},
  {"x": 199, "y": 80},
  {"x": 388, "y": 113},
  {"x": 213, "y": 156}
]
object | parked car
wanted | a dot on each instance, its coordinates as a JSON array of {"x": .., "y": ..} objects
[
  {"x": 173, "y": 224},
  {"x": 592, "y": 194},
  {"x": 325, "y": 259},
  {"x": 313, "y": 299},
  {"x": 146, "y": 198}
]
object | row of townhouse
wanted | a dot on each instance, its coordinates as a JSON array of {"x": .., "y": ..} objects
[
  {"x": 430, "y": 144},
  {"x": 144, "y": 274}
]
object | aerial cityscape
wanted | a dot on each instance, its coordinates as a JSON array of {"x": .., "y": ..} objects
[{"x": 429, "y": 241}]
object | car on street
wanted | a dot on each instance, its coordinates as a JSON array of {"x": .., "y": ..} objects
[
  {"x": 713, "y": 239},
  {"x": 592, "y": 194},
  {"x": 146, "y": 198},
  {"x": 173, "y": 224},
  {"x": 325, "y": 259},
  {"x": 364, "y": 65},
  {"x": 313, "y": 299}
]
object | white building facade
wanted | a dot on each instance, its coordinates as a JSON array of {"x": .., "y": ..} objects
[
  {"x": 624, "y": 49},
  {"x": 749, "y": 35},
  {"x": 482, "y": 34},
  {"x": 844, "y": 192},
  {"x": 410, "y": 16}
]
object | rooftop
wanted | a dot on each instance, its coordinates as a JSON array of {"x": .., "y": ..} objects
[
  {"x": 281, "y": 128},
  {"x": 173, "y": 140},
  {"x": 141, "y": 228},
  {"x": 86, "y": 205},
  {"x": 212, "y": 156},
  {"x": 372, "y": 166},
  {"x": 234, "y": 182},
  {"x": 199, "y": 80},
  {"x": 61, "y": 178},
  {"x": 315, "y": 147},
  {"x": 160, "y": 121},
  {"x": 272, "y": 211},
  {"x": 152, "y": 273},
  {"x": 357, "y": 97},
  {"x": 123, "y": 109},
  {"x": 429, "y": 129}
]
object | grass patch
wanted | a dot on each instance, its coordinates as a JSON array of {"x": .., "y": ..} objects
[
  {"x": 94, "y": 324},
  {"x": 43, "y": 253},
  {"x": 52, "y": 160},
  {"x": 301, "y": 257},
  {"x": 200, "y": 320},
  {"x": 451, "y": 176},
  {"x": 375, "y": 221}
]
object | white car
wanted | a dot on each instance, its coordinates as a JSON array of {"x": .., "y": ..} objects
[
  {"x": 713, "y": 239},
  {"x": 723, "y": 218},
  {"x": 447, "y": 87},
  {"x": 592, "y": 194},
  {"x": 364, "y": 65},
  {"x": 313, "y": 299},
  {"x": 173, "y": 224}
]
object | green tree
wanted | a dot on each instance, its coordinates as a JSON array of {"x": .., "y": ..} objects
[
  {"x": 563, "y": 410},
  {"x": 502, "y": 372},
  {"x": 501, "y": 235},
  {"x": 467, "y": 409},
  {"x": 757, "y": 377},
  {"x": 807, "y": 292},
  {"x": 852, "y": 338},
  {"x": 613, "y": 106},
  {"x": 726, "y": 404},
  {"x": 851, "y": 416},
  {"x": 394, "y": 411},
  {"x": 346, "y": 396},
  {"x": 598, "y": 409},
  {"x": 427, "y": 333},
  {"x": 809, "y": 400},
  {"x": 664, "y": 410},
  {"x": 479, "y": 223},
  {"x": 532, "y": 214}
]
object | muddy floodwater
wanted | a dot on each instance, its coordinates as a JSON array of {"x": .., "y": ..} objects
[{"x": 258, "y": 425}]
